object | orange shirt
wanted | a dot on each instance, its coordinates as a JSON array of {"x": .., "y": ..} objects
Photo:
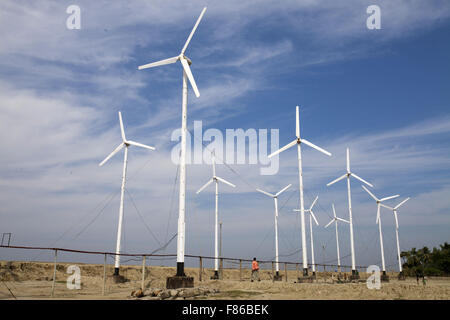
[{"x": 255, "y": 265}]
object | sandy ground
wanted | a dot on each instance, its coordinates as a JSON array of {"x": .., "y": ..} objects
[{"x": 33, "y": 280}]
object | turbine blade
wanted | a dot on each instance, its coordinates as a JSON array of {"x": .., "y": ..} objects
[
  {"x": 361, "y": 179},
  {"x": 266, "y": 193},
  {"x": 371, "y": 194},
  {"x": 391, "y": 197},
  {"x": 297, "y": 210},
  {"x": 314, "y": 202},
  {"x": 348, "y": 160},
  {"x": 336, "y": 180},
  {"x": 205, "y": 185},
  {"x": 293, "y": 143},
  {"x": 190, "y": 76},
  {"x": 334, "y": 211},
  {"x": 226, "y": 182},
  {"x": 401, "y": 203},
  {"x": 396, "y": 219},
  {"x": 378, "y": 213},
  {"x": 159, "y": 63},
  {"x": 332, "y": 220},
  {"x": 112, "y": 154},
  {"x": 315, "y": 147},
  {"x": 314, "y": 217},
  {"x": 297, "y": 123},
  {"x": 137, "y": 144},
  {"x": 385, "y": 206},
  {"x": 214, "y": 164},
  {"x": 283, "y": 190},
  {"x": 122, "y": 130},
  {"x": 193, "y": 31},
  {"x": 343, "y": 220}
]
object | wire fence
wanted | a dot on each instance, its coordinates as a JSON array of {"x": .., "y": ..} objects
[{"x": 56, "y": 276}]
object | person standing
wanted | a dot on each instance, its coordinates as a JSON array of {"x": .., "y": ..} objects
[{"x": 255, "y": 270}]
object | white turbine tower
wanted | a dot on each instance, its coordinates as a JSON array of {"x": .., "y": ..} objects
[
  {"x": 180, "y": 280},
  {"x": 298, "y": 141},
  {"x": 348, "y": 175},
  {"x": 125, "y": 143},
  {"x": 311, "y": 216},
  {"x": 216, "y": 179},
  {"x": 394, "y": 210},
  {"x": 335, "y": 220},
  {"x": 384, "y": 277},
  {"x": 277, "y": 276}
]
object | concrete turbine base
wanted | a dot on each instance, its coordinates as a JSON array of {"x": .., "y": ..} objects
[
  {"x": 176, "y": 282},
  {"x": 355, "y": 275},
  {"x": 277, "y": 277},
  {"x": 306, "y": 279},
  {"x": 215, "y": 276},
  {"x": 401, "y": 276},
  {"x": 384, "y": 277}
]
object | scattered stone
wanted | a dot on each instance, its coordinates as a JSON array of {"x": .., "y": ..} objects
[
  {"x": 138, "y": 293},
  {"x": 164, "y": 294},
  {"x": 173, "y": 293}
]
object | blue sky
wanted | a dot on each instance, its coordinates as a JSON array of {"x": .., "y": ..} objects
[{"x": 383, "y": 93}]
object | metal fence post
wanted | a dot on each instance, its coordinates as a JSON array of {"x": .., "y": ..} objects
[
  {"x": 285, "y": 270},
  {"x": 54, "y": 274},
  {"x": 200, "y": 267},
  {"x": 143, "y": 273},
  {"x": 240, "y": 269},
  {"x": 104, "y": 277},
  {"x": 273, "y": 274}
]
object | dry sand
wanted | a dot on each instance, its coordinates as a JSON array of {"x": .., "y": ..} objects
[{"x": 33, "y": 280}]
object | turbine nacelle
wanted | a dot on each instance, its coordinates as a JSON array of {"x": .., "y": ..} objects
[
  {"x": 394, "y": 210},
  {"x": 310, "y": 210},
  {"x": 336, "y": 218},
  {"x": 125, "y": 143},
  {"x": 185, "y": 61},
  {"x": 349, "y": 174},
  {"x": 215, "y": 178},
  {"x": 298, "y": 140},
  {"x": 379, "y": 201}
]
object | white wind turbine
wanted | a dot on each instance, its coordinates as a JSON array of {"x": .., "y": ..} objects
[
  {"x": 378, "y": 221},
  {"x": 348, "y": 175},
  {"x": 335, "y": 220},
  {"x": 298, "y": 141},
  {"x": 125, "y": 143},
  {"x": 216, "y": 179},
  {"x": 187, "y": 74},
  {"x": 394, "y": 209},
  {"x": 275, "y": 198},
  {"x": 311, "y": 216}
]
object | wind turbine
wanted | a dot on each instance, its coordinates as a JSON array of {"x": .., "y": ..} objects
[
  {"x": 298, "y": 141},
  {"x": 176, "y": 282},
  {"x": 348, "y": 175},
  {"x": 125, "y": 143},
  {"x": 394, "y": 210},
  {"x": 379, "y": 201},
  {"x": 277, "y": 276},
  {"x": 335, "y": 220},
  {"x": 311, "y": 216},
  {"x": 216, "y": 179}
]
